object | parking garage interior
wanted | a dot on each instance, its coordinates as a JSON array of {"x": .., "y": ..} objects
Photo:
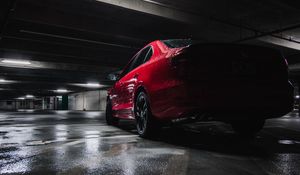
[{"x": 55, "y": 57}]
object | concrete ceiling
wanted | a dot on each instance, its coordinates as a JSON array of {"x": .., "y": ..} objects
[{"x": 80, "y": 41}]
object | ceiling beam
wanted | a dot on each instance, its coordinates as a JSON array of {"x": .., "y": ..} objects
[
  {"x": 154, "y": 8},
  {"x": 162, "y": 10},
  {"x": 109, "y": 60},
  {"x": 48, "y": 73},
  {"x": 272, "y": 33},
  {"x": 61, "y": 66},
  {"x": 280, "y": 42}
]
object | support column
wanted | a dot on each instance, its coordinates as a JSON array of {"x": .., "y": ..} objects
[{"x": 65, "y": 102}]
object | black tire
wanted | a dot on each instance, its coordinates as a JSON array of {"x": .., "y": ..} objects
[
  {"x": 110, "y": 119},
  {"x": 248, "y": 127},
  {"x": 146, "y": 124}
]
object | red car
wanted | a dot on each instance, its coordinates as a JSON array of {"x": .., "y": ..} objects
[{"x": 175, "y": 80}]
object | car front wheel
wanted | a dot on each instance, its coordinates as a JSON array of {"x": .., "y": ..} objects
[{"x": 146, "y": 124}]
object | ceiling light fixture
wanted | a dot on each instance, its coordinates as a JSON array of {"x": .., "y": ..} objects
[
  {"x": 10, "y": 61},
  {"x": 21, "y": 98},
  {"x": 2, "y": 80},
  {"x": 29, "y": 96},
  {"x": 62, "y": 90},
  {"x": 93, "y": 85}
]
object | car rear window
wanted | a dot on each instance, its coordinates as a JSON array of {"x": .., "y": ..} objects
[{"x": 177, "y": 43}]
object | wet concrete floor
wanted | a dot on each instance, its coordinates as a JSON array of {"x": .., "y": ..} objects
[{"x": 66, "y": 142}]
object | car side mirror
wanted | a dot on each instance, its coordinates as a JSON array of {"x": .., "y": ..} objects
[{"x": 113, "y": 76}]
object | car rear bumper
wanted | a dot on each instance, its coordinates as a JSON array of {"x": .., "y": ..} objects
[{"x": 227, "y": 101}]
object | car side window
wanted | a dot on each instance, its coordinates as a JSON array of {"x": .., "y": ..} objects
[
  {"x": 128, "y": 68},
  {"x": 141, "y": 57},
  {"x": 149, "y": 55}
]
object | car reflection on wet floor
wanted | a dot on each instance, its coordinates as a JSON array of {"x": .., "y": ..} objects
[{"x": 69, "y": 142}]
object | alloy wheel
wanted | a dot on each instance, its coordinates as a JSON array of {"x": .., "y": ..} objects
[{"x": 141, "y": 113}]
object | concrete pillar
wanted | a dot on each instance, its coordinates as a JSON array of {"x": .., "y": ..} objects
[{"x": 65, "y": 102}]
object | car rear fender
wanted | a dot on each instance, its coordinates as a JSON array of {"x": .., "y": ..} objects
[{"x": 141, "y": 88}]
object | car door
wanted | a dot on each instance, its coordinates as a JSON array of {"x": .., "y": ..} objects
[
  {"x": 129, "y": 81},
  {"x": 117, "y": 94}
]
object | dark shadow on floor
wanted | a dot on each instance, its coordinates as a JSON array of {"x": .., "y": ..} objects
[{"x": 219, "y": 137}]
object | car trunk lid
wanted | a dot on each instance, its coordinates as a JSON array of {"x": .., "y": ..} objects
[{"x": 234, "y": 62}]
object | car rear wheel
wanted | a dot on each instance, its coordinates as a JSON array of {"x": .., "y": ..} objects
[
  {"x": 248, "y": 127},
  {"x": 110, "y": 119},
  {"x": 146, "y": 124}
]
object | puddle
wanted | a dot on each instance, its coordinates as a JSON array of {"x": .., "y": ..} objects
[
  {"x": 39, "y": 142},
  {"x": 288, "y": 142},
  {"x": 8, "y": 149},
  {"x": 2, "y": 133},
  {"x": 8, "y": 144}
]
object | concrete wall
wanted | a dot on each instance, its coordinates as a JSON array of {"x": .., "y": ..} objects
[
  {"x": 4, "y": 105},
  {"x": 20, "y": 104},
  {"x": 90, "y": 100},
  {"x": 51, "y": 103},
  {"x": 103, "y": 97}
]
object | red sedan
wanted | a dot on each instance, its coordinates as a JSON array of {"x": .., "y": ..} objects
[{"x": 175, "y": 80}]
